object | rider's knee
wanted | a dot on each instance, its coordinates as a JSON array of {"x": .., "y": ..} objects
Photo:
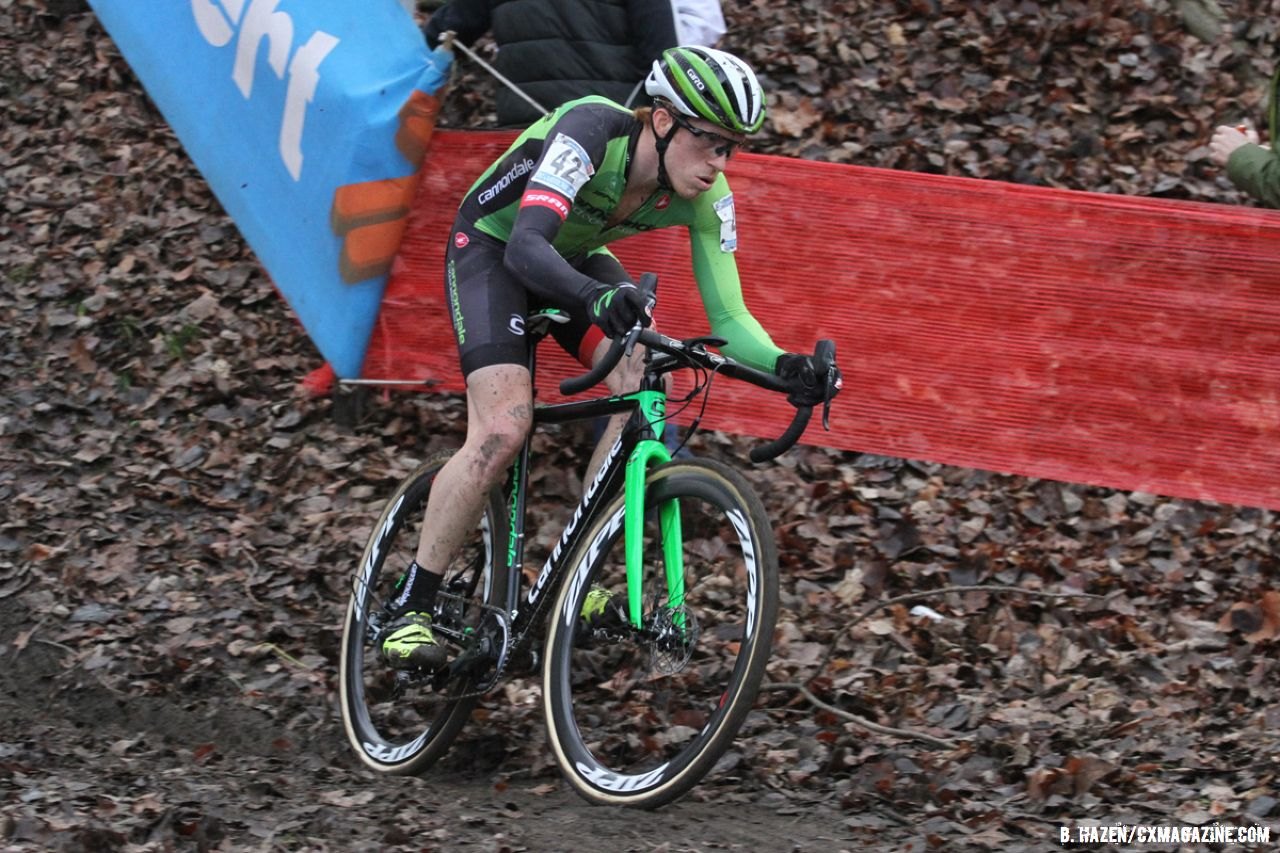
[{"x": 496, "y": 442}]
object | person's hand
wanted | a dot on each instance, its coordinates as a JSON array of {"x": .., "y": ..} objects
[
  {"x": 801, "y": 375},
  {"x": 1227, "y": 139},
  {"x": 617, "y": 308}
]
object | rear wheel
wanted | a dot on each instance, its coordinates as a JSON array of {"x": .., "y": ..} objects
[
  {"x": 402, "y": 722},
  {"x": 638, "y": 715}
]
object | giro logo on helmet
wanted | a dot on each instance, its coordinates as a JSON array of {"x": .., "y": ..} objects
[{"x": 695, "y": 79}]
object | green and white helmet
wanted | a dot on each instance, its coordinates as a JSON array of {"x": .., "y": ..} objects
[{"x": 703, "y": 82}]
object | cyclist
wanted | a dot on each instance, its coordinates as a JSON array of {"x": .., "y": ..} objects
[{"x": 531, "y": 233}]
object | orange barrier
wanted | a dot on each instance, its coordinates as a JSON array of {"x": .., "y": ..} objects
[{"x": 1123, "y": 342}]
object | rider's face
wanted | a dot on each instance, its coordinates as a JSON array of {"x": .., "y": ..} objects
[{"x": 698, "y": 152}]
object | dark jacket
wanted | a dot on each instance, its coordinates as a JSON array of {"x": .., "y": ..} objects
[
  {"x": 1255, "y": 169},
  {"x": 558, "y": 50}
]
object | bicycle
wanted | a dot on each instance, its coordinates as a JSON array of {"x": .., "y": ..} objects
[{"x": 662, "y": 592}]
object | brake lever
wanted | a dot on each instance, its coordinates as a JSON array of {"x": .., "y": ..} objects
[
  {"x": 825, "y": 353},
  {"x": 648, "y": 286},
  {"x": 630, "y": 343},
  {"x": 832, "y": 387}
]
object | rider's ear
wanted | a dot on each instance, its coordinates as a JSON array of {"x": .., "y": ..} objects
[{"x": 662, "y": 121}]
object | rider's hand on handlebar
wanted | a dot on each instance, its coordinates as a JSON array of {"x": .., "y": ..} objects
[
  {"x": 808, "y": 387},
  {"x": 617, "y": 308}
]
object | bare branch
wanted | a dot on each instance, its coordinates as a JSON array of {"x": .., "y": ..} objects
[{"x": 860, "y": 722}]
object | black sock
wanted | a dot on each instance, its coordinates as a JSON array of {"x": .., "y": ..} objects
[{"x": 416, "y": 590}]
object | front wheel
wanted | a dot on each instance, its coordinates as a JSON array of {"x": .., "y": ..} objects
[
  {"x": 638, "y": 714},
  {"x": 402, "y": 722}
]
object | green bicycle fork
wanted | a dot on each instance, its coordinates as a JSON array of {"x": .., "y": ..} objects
[{"x": 648, "y": 453}]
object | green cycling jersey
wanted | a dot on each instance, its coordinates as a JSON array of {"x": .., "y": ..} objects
[{"x": 571, "y": 168}]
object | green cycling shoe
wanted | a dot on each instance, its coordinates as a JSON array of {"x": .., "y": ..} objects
[
  {"x": 598, "y": 615},
  {"x": 409, "y": 643}
]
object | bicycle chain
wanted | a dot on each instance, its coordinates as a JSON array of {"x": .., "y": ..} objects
[{"x": 500, "y": 663}]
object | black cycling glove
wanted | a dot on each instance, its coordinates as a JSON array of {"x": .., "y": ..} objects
[
  {"x": 616, "y": 309},
  {"x": 801, "y": 375}
]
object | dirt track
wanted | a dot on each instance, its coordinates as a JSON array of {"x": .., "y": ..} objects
[{"x": 210, "y": 769}]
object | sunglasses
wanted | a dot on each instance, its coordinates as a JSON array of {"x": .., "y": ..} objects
[{"x": 720, "y": 144}]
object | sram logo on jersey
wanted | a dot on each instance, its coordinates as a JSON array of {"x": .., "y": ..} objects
[
  {"x": 521, "y": 168},
  {"x": 545, "y": 198}
]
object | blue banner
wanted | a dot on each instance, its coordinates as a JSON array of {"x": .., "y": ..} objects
[{"x": 308, "y": 119}]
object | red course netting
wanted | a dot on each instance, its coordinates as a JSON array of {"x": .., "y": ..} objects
[{"x": 1130, "y": 343}]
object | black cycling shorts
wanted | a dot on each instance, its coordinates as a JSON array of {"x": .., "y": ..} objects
[{"x": 488, "y": 304}]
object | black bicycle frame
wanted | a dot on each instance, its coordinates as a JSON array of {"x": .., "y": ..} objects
[
  {"x": 631, "y": 454},
  {"x": 609, "y": 480}
]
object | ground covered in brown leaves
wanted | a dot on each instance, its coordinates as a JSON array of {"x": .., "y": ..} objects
[{"x": 179, "y": 522}]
